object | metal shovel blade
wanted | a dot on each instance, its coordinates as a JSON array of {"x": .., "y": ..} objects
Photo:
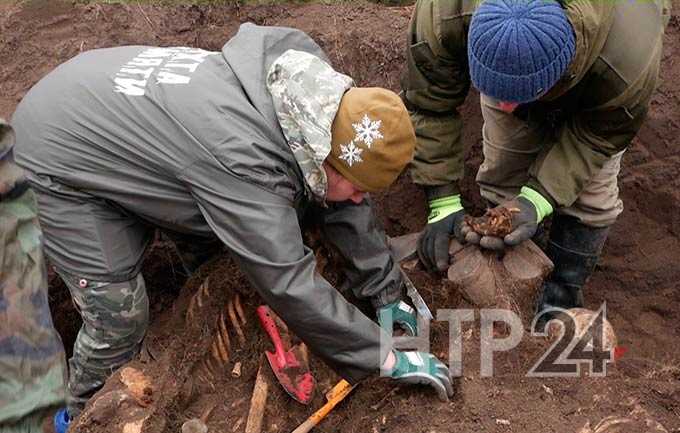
[
  {"x": 290, "y": 367},
  {"x": 294, "y": 375},
  {"x": 404, "y": 247}
]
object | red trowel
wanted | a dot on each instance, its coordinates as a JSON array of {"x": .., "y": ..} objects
[{"x": 290, "y": 366}]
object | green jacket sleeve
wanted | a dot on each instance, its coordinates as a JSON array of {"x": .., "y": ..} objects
[
  {"x": 261, "y": 231},
  {"x": 435, "y": 84}
]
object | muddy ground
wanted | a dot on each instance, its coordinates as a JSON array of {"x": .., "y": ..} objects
[{"x": 638, "y": 275}]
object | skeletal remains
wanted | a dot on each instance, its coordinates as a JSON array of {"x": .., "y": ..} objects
[{"x": 232, "y": 316}]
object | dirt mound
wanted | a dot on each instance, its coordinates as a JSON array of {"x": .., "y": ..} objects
[{"x": 639, "y": 276}]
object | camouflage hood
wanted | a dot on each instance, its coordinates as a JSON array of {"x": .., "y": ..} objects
[
  {"x": 307, "y": 92},
  {"x": 6, "y": 138}
]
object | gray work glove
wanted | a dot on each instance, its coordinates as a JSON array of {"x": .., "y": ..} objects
[
  {"x": 425, "y": 369},
  {"x": 445, "y": 220},
  {"x": 528, "y": 209}
]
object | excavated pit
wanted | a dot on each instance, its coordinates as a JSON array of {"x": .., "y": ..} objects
[{"x": 638, "y": 275}]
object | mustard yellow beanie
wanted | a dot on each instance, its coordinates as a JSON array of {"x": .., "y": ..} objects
[{"x": 372, "y": 138}]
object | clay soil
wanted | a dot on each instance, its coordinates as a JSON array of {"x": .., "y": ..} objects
[{"x": 638, "y": 275}]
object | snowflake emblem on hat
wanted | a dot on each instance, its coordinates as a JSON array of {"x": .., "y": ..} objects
[
  {"x": 367, "y": 130},
  {"x": 350, "y": 153}
]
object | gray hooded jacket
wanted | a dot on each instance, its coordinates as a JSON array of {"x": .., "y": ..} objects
[{"x": 189, "y": 140}]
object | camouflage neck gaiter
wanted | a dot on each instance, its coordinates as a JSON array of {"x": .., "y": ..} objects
[{"x": 307, "y": 92}]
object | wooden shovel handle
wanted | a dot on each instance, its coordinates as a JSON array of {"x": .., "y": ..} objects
[{"x": 335, "y": 396}]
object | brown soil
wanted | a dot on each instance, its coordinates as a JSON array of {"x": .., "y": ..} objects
[{"x": 638, "y": 276}]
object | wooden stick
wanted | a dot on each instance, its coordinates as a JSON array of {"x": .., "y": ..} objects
[
  {"x": 379, "y": 404},
  {"x": 258, "y": 401}
]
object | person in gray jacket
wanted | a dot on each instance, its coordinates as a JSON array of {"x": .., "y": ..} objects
[{"x": 230, "y": 148}]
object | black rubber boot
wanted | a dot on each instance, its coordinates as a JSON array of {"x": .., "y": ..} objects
[{"x": 574, "y": 249}]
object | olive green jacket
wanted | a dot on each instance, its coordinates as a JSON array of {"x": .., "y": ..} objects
[{"x": 593, "y": 112}]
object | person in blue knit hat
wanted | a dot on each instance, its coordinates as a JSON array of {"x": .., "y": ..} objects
[
  {"x": 565, "y": 86},
  {"x": 517, "y": 50}
]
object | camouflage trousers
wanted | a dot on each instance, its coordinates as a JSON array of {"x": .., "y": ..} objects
[
  {"x": 32, "y": 364},
  {"x": 105, "y": 247},
  {"x": 115, "y": 317}
]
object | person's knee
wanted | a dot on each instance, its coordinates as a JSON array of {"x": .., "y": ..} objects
[
  {"x": 593, "y": 213},
  {"x": 115, "y": 314},
  {"x": 130, "y": 321}
]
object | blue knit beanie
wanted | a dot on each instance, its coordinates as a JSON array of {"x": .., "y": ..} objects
[{"x": 519, "y": 49}]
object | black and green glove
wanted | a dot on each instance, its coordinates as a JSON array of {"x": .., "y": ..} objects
[
  {"x": 401, "y": 314},
  {"x": 425, "y": 369},
  {"x": 528, "y": 209},
  {"x": 445, "y": 219}
]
